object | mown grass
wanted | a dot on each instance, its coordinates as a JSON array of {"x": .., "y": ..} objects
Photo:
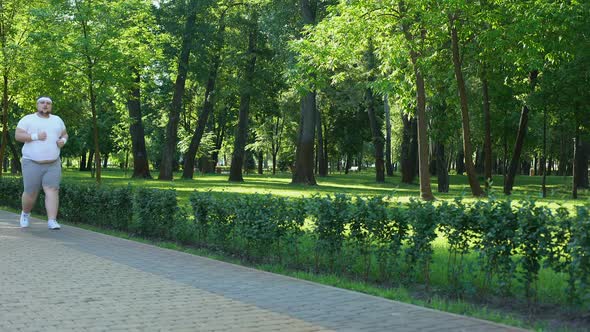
[{"x": 362, "y": 184}]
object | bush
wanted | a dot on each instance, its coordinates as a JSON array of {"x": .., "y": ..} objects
[{"x": 154, "y": 213}]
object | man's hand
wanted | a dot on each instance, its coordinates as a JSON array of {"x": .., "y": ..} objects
[
  {"x": 42, "y": 136},
  {"x": 61, "y": 142}
]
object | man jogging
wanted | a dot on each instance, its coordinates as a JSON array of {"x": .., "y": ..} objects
[{"x": 44, "y": 134}]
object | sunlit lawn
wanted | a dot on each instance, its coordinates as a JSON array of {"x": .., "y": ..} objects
[{"x": 526, "y": 187}]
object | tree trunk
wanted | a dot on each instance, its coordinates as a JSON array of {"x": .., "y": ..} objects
[
  {"x": 141, "y": 167},
  {"x": 4, "y": 118},
  {"x": 441, "y": 168},
  {"x": 304, "y": 155},
  {"x": 522, "y": 127},
  {"x": 469, "y": 168},
  {"x": 409, "y": 149},
  {"x": 388, "y": 163},
  {"x": 235, "y": 173},
  {"x": 425, "y": 188},
  {"x": 94, "y": 125},
  {"x": 487, "y": 143},
  {"x": 575, "y": 172},
  {"x": 169, "y": 149},
  {"x": 461, "y": 162},
  {"x": 83, "y": 161},
  {"x": 16, "y": 166},
  {"x": 544, "y": 182},
  {"x": 581, "y": 162},
  {"x": 105, "y": 160},
  {"x": 322, "y": 162},
  {"x": 90, "y": 161}
]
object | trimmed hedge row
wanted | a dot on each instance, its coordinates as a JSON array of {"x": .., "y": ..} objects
[{"x": 146, "y": 212}]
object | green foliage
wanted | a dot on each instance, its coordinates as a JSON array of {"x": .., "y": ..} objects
[
  {"x": 10, "y": 192},
  {"x": 330, "y": 215},
  {"x": 423, "y": 218},
  {"x": 497, "y": 225},
  {"x": 99, "y": 206},
  {"x": 155, "y": 213}
]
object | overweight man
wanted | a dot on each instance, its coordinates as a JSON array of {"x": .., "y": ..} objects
[{"x": 44, "y": 134}]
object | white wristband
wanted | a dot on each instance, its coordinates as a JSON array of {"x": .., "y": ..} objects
[{"x": 34, "y": 137}]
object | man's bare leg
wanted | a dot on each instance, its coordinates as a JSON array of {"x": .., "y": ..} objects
[
  {"x": 28, "y": 201},
  {"x": 51, "y": 202}
]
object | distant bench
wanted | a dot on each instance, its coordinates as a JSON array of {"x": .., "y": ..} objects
[{"x": 354, "y": 168}]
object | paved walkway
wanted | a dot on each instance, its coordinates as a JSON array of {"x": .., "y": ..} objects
[{"x": 77, "y": 280}]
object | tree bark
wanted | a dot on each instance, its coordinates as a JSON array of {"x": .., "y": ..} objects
[
  {"x": 16, "y": 165},
  {"x": 544, "y": 182},
  {"x": 487, "y": 144},
  {"x": 409, "y": 149},
  {"x": 388, "y": 164},
  {"x": 141, "y": 167},
  {"x": 460, "y": 162},
  {"x": 260, "y": 158},
  {"x": 304, "y": 155},
  {"x": 169, "y": 149},
  {"x": 237, "y": 162},
  {"x": 94, "y": 124},
  {"x": 322, "y": 162},
  {"x": 581, "y": 162},
  {"x": 4, "y": 118},
  {"x": 469, "y": 168},
  {"x": 441, "y": 168},
  {"x": 83, "y": 161},
  {"x": 522, "y": 127}
]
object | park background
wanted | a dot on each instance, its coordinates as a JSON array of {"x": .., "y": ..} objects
[{"x": 483, "y": 101}]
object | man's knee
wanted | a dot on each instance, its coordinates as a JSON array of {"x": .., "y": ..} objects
[
  {"x": 50, "y": 190},
  {"x": 30, "y": 194}
]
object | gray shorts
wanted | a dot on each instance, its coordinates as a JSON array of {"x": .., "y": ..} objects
[{"x": 36, "y": 175}]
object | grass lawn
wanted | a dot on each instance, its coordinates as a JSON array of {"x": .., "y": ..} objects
[{"x": 363, "y": 183}]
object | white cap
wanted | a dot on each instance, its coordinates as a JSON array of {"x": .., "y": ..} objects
[{"x": 44, "y": 99}]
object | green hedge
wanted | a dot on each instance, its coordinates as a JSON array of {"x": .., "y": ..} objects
[
  {"x": 145, "y": 212},
  {"x": 493, "y": 245}
]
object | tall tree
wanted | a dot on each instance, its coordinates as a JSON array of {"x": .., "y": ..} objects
[
  {"x": 304, "y": 157},
  {"x": 140, "y": 158},
  {"x": 169, "y": 149},
  {"x": 473, "y": 182},
  {"x": 518, "y": 145},
  {"x": 14, "y": 26},
  {"x": 414, "y": 41},
  {"x": 237, "y": 162},
  {"x": 209, "y": 98},
  {"x": 374, "y": 120}
]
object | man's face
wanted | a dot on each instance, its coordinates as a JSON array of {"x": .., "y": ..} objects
[{"x": 44, "y": 106}]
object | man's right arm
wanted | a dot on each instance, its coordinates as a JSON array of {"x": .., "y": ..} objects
[{"x": 22, "y": 136}]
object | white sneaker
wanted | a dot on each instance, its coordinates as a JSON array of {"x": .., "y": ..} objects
[
  {"x": 52, "y": 224},
  {"x": 24, "y": 220}
]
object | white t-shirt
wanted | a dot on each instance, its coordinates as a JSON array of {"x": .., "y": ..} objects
[{"x": 42, "y": 150}]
